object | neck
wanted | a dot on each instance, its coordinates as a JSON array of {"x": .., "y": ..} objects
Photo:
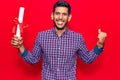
[{"x": 60, "y": 32}]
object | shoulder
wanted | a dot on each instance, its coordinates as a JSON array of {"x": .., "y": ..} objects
[
  {"x": 75, "y": 34},
  {"x": 45, "y": 33}
]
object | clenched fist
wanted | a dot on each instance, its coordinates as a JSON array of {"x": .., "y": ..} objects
[
  {"x": 17, "y": 42},
  {"x": 101, "y": 38}
]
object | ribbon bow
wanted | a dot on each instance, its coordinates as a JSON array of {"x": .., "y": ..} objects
[{"x": 22, "y": 26}]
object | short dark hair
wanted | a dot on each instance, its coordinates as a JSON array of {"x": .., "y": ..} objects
[{"x": 62, "y": 3}]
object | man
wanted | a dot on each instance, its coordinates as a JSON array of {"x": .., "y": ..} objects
[{"x": 59, "y": 46}]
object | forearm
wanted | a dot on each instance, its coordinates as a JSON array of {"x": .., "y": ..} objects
[
  {"x": 29, "y": 57},
  {"x": 21, "y": 49}
]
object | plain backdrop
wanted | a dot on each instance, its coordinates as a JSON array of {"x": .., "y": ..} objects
[{"x": 87, "y": 17}]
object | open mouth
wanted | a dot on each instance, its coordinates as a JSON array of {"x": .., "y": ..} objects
[{"x": 60, "y": 22}]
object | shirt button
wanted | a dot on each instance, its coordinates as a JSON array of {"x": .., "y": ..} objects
[{"x": 59, "y": 48}]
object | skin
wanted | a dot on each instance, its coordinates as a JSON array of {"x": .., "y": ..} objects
[{"x": 60, "y": 18}]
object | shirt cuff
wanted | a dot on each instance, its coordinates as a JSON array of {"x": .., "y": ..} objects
[
  {"x": 98, "y": 50},
  {"x": 24, "y": 53}
]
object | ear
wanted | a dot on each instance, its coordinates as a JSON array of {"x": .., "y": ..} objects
[
  {"x": 52, "y": 16},
  {"x": 69, "y": 18}
]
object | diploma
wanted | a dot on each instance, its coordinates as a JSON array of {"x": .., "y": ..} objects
[{"x": 20, "y": 20}]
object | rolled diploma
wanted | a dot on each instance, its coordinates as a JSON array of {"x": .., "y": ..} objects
[{"x": 20, "y": 19}]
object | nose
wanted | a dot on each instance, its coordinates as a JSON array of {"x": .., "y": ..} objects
[{"x": 60, "y": 16}]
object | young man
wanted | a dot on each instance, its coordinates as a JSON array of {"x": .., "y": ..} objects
[{"x": 59, "y": 46}]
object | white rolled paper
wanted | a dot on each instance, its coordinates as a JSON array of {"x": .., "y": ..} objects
[
  {"x": 20, "y": 19},
  {"x": 99, "y": 30}
]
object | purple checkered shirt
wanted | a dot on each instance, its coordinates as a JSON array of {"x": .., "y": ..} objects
[{"x": 59, "y": 54}]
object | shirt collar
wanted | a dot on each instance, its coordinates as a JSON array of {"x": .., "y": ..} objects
[{"x": 64, "y": 33}]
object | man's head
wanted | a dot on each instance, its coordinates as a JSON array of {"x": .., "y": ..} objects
[{"x": 61, "y": 14}]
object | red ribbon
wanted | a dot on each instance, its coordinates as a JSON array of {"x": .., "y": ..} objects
[{"x": 22, "y": 26}]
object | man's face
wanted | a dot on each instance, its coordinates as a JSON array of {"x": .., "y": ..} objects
[{"x": 61, "y": 17}]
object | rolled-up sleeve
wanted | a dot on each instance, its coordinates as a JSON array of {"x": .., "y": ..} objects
[
  {"x": 34, "y": 56},
  {"x": 86, "y": 55}
]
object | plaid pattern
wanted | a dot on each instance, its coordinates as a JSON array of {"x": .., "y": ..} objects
[{"x": 59, "y": 54}]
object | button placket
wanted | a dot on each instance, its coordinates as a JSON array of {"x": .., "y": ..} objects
[{"x": 58, "y": 58}]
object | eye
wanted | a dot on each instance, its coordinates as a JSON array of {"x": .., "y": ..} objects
[
  {"x": 57, "y": 13},
  {"x": 64, "y": 14}
]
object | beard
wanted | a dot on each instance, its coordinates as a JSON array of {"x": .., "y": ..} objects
[{"x": 60, "y": 28}]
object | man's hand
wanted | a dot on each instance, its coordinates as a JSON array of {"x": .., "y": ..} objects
[
  {"x": 101, "y": 38},
  {"x": 18, "y": 43}
]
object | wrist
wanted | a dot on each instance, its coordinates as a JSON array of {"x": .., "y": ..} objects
[
  {"x": 21, "y": 49},
  {"x": 100, "y": 45}
]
